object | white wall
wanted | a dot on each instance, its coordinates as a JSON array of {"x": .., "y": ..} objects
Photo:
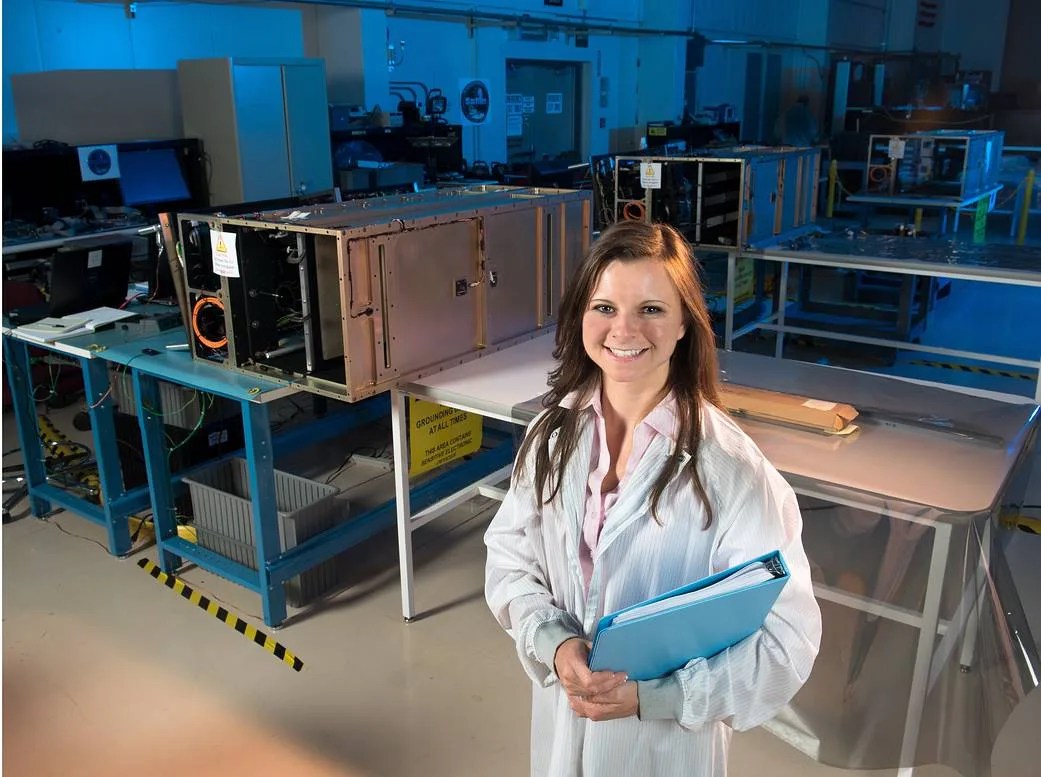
[
  {"x": 643, "y": 83},
  {"x": 62, "y": 34},
  {"x": 900, "y": 34},
  {"x": 741, "y": 24},
  {"x": 607, "y": 11},
  {"x": 748, "y": 19},
  {"x": 721, "y": 79},
  {"x": 977, "y": 33},
  {"x": 334, "y": 35},
  {"x": 812, "y": 22},
  {"x": 661, "y": 79},
  {"x": 860, "y": 23}
]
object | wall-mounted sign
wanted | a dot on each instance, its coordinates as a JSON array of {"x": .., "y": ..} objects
[
  {"x": 514, "y": 103},
  {"x": 514, "y": 125},
  {"x": 474, "y": 101},
  {"x": 98, "y": 163},
  {"x": 554, "y": 102}
]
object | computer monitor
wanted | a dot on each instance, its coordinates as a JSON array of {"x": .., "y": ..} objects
[
  {"x": 150, "y": 176},
  {"x": 88, "y": 274},
  {"x": 42, "y": 185}
]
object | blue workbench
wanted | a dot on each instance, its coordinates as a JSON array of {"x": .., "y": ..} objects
[
  {"x": 150, "y": 363},
  {"x": 275, "y": 565},
  {"x": 253, "y": 396},
  {"x": 88, "y": 351}
]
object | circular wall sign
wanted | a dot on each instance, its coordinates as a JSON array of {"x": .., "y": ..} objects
[
  {"x": 474, "y": 101},
  {"x": 99, "y": 161}
]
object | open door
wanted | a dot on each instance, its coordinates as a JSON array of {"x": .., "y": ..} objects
[{"x": 543, "y": 111}]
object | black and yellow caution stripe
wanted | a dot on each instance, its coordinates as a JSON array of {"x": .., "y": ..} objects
[
  {"x": 59, "y": 449},
  {"x": 1027, "y": 523},
  {"x": 233, "y": 621},
  {"x": 974, "y": 369}
]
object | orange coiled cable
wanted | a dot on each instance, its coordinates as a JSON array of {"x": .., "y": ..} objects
[{"x": 199, "y": 304}]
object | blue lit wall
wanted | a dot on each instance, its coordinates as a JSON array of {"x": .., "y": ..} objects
[{"x": 60, "y": 35}]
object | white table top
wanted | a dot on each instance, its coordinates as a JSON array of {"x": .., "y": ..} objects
[
  {"x": 1019, "y": 265},
  {"x": 924, "y": 201},
  {"x": 494, "y": 384},
  {"x": 894, "y": 455},
  {"x": 14, "y": 248}
]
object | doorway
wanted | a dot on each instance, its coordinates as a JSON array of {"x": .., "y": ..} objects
[
  {"x": 543, "y": 111},
  {"x": 762, "y": 97}
]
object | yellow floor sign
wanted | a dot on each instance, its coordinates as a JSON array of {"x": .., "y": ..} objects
[
  {"x": 439, "y": 434},
  {"x": 233, "y": 621}
]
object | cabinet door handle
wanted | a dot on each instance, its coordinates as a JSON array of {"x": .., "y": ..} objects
[{"x": 384, "y": 304}]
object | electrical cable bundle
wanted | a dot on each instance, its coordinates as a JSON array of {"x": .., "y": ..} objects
[{"x": 208, "y": 322}]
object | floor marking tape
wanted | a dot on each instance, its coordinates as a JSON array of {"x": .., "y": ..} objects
[
  {"x": 979, "y": 370},
  {"x": 233, "y": 621}
]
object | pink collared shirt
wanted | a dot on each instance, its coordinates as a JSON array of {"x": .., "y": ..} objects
[{"x": 661, "y": 420}]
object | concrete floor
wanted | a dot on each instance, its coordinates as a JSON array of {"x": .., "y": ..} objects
[{"x": 106, "y": 671}]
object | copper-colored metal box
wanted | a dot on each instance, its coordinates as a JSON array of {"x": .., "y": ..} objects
[{"x": 349, "y": 299}]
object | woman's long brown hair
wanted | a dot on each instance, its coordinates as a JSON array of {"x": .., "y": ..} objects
[{"x": 693, "y": 370}]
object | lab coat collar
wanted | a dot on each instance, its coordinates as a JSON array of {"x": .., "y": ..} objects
[{"x": 662, "y": 418}]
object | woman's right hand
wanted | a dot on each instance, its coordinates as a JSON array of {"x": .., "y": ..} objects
[{"x": 571, "y": 663}]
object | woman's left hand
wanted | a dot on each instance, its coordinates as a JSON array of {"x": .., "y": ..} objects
[{"x": 620, "y": 702}]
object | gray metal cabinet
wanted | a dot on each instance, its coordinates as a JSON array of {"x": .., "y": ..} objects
[{"x": 264, "y": 125}]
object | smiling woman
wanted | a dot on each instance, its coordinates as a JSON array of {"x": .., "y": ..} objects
[
  {"x": 632, "y": 483},
  {"x": 632, "y": 324}
]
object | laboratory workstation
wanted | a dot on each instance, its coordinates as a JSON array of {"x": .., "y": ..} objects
[{"x": 304, "y": 303}]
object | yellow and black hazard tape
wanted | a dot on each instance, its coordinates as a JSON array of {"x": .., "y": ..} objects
[
  {"x": 57, "y": 447},
  {"x": 248, "y": 630},
  {"x": 1027, "y": 523},
  {"x": 976, "y": 370}
]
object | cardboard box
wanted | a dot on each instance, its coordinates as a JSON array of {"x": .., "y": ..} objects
[
  {"x": 816, "y": 414},
  {"x": 624, "y": 140},
  {"x": 384, "y": 175}
]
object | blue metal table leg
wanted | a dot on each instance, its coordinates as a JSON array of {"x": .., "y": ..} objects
[
  {"x": 257, "y": 427},
  {"x": 157, "y": 465},
  {"x": 19, "y": 375},
  {"x": 100, "y": 406}
]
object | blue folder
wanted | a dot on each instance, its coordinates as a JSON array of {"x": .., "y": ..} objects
[{"x": 652, "y": 646}]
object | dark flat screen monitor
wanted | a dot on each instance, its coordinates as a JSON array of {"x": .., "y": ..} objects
[
  {"x": 151, "y": 175},
  {"x": 89, "y": 274}
]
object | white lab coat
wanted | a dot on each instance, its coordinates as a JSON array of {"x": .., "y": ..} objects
[{"x": 534, "y": 577}]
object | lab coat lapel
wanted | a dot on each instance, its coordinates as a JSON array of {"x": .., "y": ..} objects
[
  {"x": 634, "y": 502},
  {"x": 573, "y": 494}
]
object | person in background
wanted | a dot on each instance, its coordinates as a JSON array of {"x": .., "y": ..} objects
[
  {"x": 797, "y": 126},
  {"x": 631, "y": 483}
]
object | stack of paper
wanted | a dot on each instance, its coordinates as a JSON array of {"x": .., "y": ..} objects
[
  {"x": 49, "y": 329},
  {"x": 750, "y": 575}
]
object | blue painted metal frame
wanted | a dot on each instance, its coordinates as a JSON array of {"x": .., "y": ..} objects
[
  {"x": 19, "y": 375},
  {"x": 259, "y": 451},
  {"x": 117, "y": 504},
  {"x": 275, "y": 566}
]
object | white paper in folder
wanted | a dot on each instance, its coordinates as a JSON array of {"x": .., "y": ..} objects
[{"x": 750, "y": 575}]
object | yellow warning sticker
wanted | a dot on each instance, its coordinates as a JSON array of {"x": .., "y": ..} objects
[
  {"x": 439, "y": 434},
  {"x": 224, "y": 253}
]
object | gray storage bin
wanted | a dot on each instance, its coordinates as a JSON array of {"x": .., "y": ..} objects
[{"x": 224, "y": 520}]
